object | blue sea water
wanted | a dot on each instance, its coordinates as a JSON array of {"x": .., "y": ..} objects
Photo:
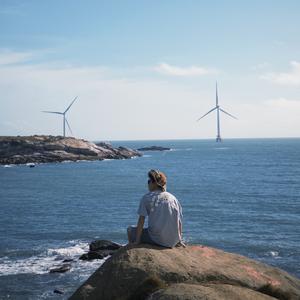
[{"x": 240, "y": 195}]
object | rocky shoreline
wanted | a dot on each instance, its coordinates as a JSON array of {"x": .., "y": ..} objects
[
  {"x": 46, "y": 148},
  {"x": 192, "y": 272}
]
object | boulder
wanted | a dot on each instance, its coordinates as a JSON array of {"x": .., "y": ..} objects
[
  {"x": 194, "y": 272},
  {"x": 100, "y": 249},
  {"x": 67, "y": 260},
  {"x": 61, "y": 269},
  {"x": 100, "y": 254}
]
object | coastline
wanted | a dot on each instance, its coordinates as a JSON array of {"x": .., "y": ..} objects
[{"x": 15, "y": 150}]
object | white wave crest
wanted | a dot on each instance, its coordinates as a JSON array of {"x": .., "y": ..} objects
[
  {"x": 222, "y": 148},
  {"x": 51, "y": 258},
  {"x": 274, "y": 254},
  {"x": 68, "y": 252}
]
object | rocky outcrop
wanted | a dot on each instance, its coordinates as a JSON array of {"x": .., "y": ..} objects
[
  {"x": 61, "y": 269},
  {"x": 154, "y": 148},
  {"x": 100, "y": 249},
  {"x": 45, "y": 148},
  {"x": 194, "y": 272}
]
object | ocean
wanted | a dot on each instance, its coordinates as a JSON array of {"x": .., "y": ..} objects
[{"x": 241, "y": 195}]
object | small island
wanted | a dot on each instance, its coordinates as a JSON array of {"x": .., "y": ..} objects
[
  {"x": 154, "y": 148},
  {"x": 46, "y": 148}
]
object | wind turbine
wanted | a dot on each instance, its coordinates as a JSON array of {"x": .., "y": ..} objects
[
  {"x": 218, "y": 108},
  {"x": 65, "y": 121}
]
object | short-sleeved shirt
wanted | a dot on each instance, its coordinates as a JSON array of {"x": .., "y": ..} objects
[{"x": 164, "y": 214}]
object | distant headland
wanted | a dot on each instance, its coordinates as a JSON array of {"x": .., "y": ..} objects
[{"x": 47, "y": 148}]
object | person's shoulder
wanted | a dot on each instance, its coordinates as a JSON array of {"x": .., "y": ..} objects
[
  {"x": 148, "y": 196},
  {"x": 169, "y": 195}
]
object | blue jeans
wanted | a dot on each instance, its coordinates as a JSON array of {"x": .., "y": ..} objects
[{"x": 145, "y": 238}]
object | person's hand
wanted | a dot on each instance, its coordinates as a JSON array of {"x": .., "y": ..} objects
[{"x": 181, "y": 244}]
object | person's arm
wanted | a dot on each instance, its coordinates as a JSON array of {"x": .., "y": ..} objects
[
  {"x": 180, "y": 230},
  {"x": 181, "y": 243},
  {"x": 139, "y": 229}
]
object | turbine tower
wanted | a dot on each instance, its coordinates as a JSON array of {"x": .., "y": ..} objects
[
  {"x": 65, "y": 121},
  {"x": 218, "y": 108}
]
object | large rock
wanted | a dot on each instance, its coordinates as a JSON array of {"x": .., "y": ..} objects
[
  {"x": 100, "y": 249},
  {"x": 61, "y": 269},
  {"x": 194, "y": 272},
  {"x": 45, "y": 148}
]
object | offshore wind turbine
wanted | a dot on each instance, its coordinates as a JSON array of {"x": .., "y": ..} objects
[
  {"x": 218, "y": 108},
  {"x": 65, "y": 121}
]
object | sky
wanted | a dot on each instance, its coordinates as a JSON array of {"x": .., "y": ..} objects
[{"x": 148, "y": 69}]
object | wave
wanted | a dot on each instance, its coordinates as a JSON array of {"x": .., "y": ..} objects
[
  {"x": 274, "y": 254},
  {"x": 180, "y": 149},
  {"x": 51, "y": 258},
  {"x": 221, "y": 148}
]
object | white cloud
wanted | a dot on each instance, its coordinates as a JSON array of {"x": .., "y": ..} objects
[
  {"x": 270, "y": 118},
  {"x": 111, "y": 106},
  {"x": 9, "y": 57},
  {"x": 285, "y": 78},
  {"x": 167, "y": 69},
  {"x": 283, "y": 103}
]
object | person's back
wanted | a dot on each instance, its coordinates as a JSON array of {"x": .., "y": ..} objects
[{"x": 164, "y": 215}]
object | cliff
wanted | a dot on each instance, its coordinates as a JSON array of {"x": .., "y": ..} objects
[
  {"x": 194, "y": 272},
  {"x": 45, "y": 148}
]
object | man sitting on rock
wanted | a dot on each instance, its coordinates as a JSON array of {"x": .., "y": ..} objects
[{"x": 164, "y": 215}]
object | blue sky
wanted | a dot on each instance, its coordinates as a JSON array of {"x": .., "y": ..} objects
[{"x": 147, "y": 69}]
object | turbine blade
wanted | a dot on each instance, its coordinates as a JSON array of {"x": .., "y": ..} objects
[
  {"x": 228, "y": 113},
  {"x": 207, "y": 113},
  {"x": 70, "y": 104},
  {"x": 69, "y": 126},
  {"x": 53, "y": 112}
]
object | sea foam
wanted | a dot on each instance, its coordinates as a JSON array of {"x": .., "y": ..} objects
[{"x": 48, "y": 259}]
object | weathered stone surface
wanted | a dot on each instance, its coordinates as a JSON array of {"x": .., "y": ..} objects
[
  {"x": 44, "y": 149},
  {"x": 208, "y": 291},
  {"x": 154, "y": 148},
  {"x": 194, "y": 272}
]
